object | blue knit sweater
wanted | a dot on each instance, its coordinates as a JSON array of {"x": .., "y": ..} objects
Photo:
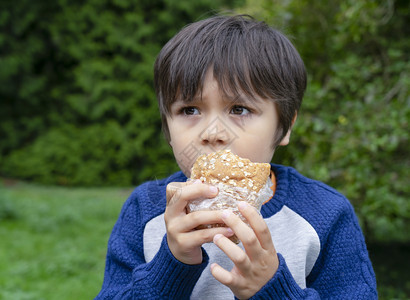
[{"x": 321, "y": 249}]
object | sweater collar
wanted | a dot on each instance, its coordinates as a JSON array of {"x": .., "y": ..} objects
[{"x": 281, "y": 192}]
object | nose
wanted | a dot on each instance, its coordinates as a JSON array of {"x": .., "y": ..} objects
[{"x": 217, "y": 134}]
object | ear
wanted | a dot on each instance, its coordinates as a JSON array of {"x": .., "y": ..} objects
[{"x": 286, "y": 138}]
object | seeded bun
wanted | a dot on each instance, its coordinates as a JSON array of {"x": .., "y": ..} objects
[
  {"x": 225, "y": 167},
  {"x": 238, "y": 179}
]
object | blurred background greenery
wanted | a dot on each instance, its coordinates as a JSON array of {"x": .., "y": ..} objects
[{"x": 78, "y": 109}]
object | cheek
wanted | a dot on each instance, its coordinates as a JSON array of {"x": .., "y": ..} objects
[
  {"x": 257, "y": 148},
  {"x": 173, "y": 133},
  {"x": 176, "y": 143},
  {"x": 258, "y": 145},
  {"x": 184, "y": 149},
  {"x": 266, "y": 131}
]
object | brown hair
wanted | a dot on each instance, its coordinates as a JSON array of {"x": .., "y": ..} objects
[{"x": 246, "y": 56}]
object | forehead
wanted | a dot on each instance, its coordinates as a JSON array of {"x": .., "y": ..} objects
[{"x": 227, "y": 90}]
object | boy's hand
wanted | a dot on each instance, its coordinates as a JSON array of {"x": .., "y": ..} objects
[
  {"x": 183, "y": 239},
  {"x": 255, "y": 266}
]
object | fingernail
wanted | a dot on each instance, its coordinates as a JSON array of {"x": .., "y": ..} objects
[
  {"x": 217, "y": 237},
  {"x": 230, "y": 232},
  {"x": 226, "y": 213},
  {"x": 242, "y": 204},
  {"x": 213, "y": 189}
]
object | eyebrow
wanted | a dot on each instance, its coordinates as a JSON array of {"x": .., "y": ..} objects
[{"x": 239, "y": 99}]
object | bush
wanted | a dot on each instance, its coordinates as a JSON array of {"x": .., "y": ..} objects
[
  {"x": 78, "y": 105},
  {"x": 352, "y": 130}
]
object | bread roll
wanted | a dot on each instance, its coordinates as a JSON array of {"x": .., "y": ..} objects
[{"x": 238, "y": 179}]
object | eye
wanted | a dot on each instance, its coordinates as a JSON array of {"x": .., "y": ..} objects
[
  {"x": 189, "y": 111},
  {"x": 240, "y": 110}
]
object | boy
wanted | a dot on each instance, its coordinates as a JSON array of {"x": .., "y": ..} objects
[{"x": 232, "y": 82}]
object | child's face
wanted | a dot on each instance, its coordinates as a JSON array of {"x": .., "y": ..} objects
[{"x": 212, "y": 123}]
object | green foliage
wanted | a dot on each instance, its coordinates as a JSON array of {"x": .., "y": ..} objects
[
  {"x": 77, "y": 100},
  {"x": 352, "y": 131},
  {"x": 78, "y": 106}
]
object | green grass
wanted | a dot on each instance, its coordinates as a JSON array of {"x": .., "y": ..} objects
[
  {"x": 53, "y": 243},
  {"x": 54, "y": 239}
]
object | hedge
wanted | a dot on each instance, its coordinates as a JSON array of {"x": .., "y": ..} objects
[{"x": 78, "y": 105}]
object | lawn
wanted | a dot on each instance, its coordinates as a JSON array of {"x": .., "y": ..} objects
[
  {"x": 53, "y": 243},
  {"x": 54, "y": 239}
]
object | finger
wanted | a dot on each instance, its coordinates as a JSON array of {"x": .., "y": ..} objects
[
  {"x": 244, "y": 233},
  {"x": 178, "y": 194},
  {"x": 200, "y": 218},
  {"x": 223, "y": 276},
  {"x": 258, "y": 225},
  {"x": 236, "y": 254},
  {"x": 173, "y": 189},
  {"x": 199, "y": 237}
]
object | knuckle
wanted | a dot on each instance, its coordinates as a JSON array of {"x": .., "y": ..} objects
[
  {"x": 265, "y": 231},
  {"x": 241, "y": 258},
  {"x": 173, "y": 200},
  {"x": 166, "y": 219},
  {"x": 180, "y": 241},
  {"x": 204, "y": 235},
  {"x": 170, "y": 189},
  {"x": 229, "y": 281},
  {"x": 171, "y": 227},
  {"x": 250, "y": 239},
  {"x": 194, "y": 216},
  {"x": 167, "y": 212}
]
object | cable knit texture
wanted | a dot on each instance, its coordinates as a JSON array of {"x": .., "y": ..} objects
[{"x": 342, "y": 270}]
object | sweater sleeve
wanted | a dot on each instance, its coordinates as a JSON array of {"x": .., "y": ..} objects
[
  {"x": 342, "y": 271},
  {"x": 128, "y": 276}
]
